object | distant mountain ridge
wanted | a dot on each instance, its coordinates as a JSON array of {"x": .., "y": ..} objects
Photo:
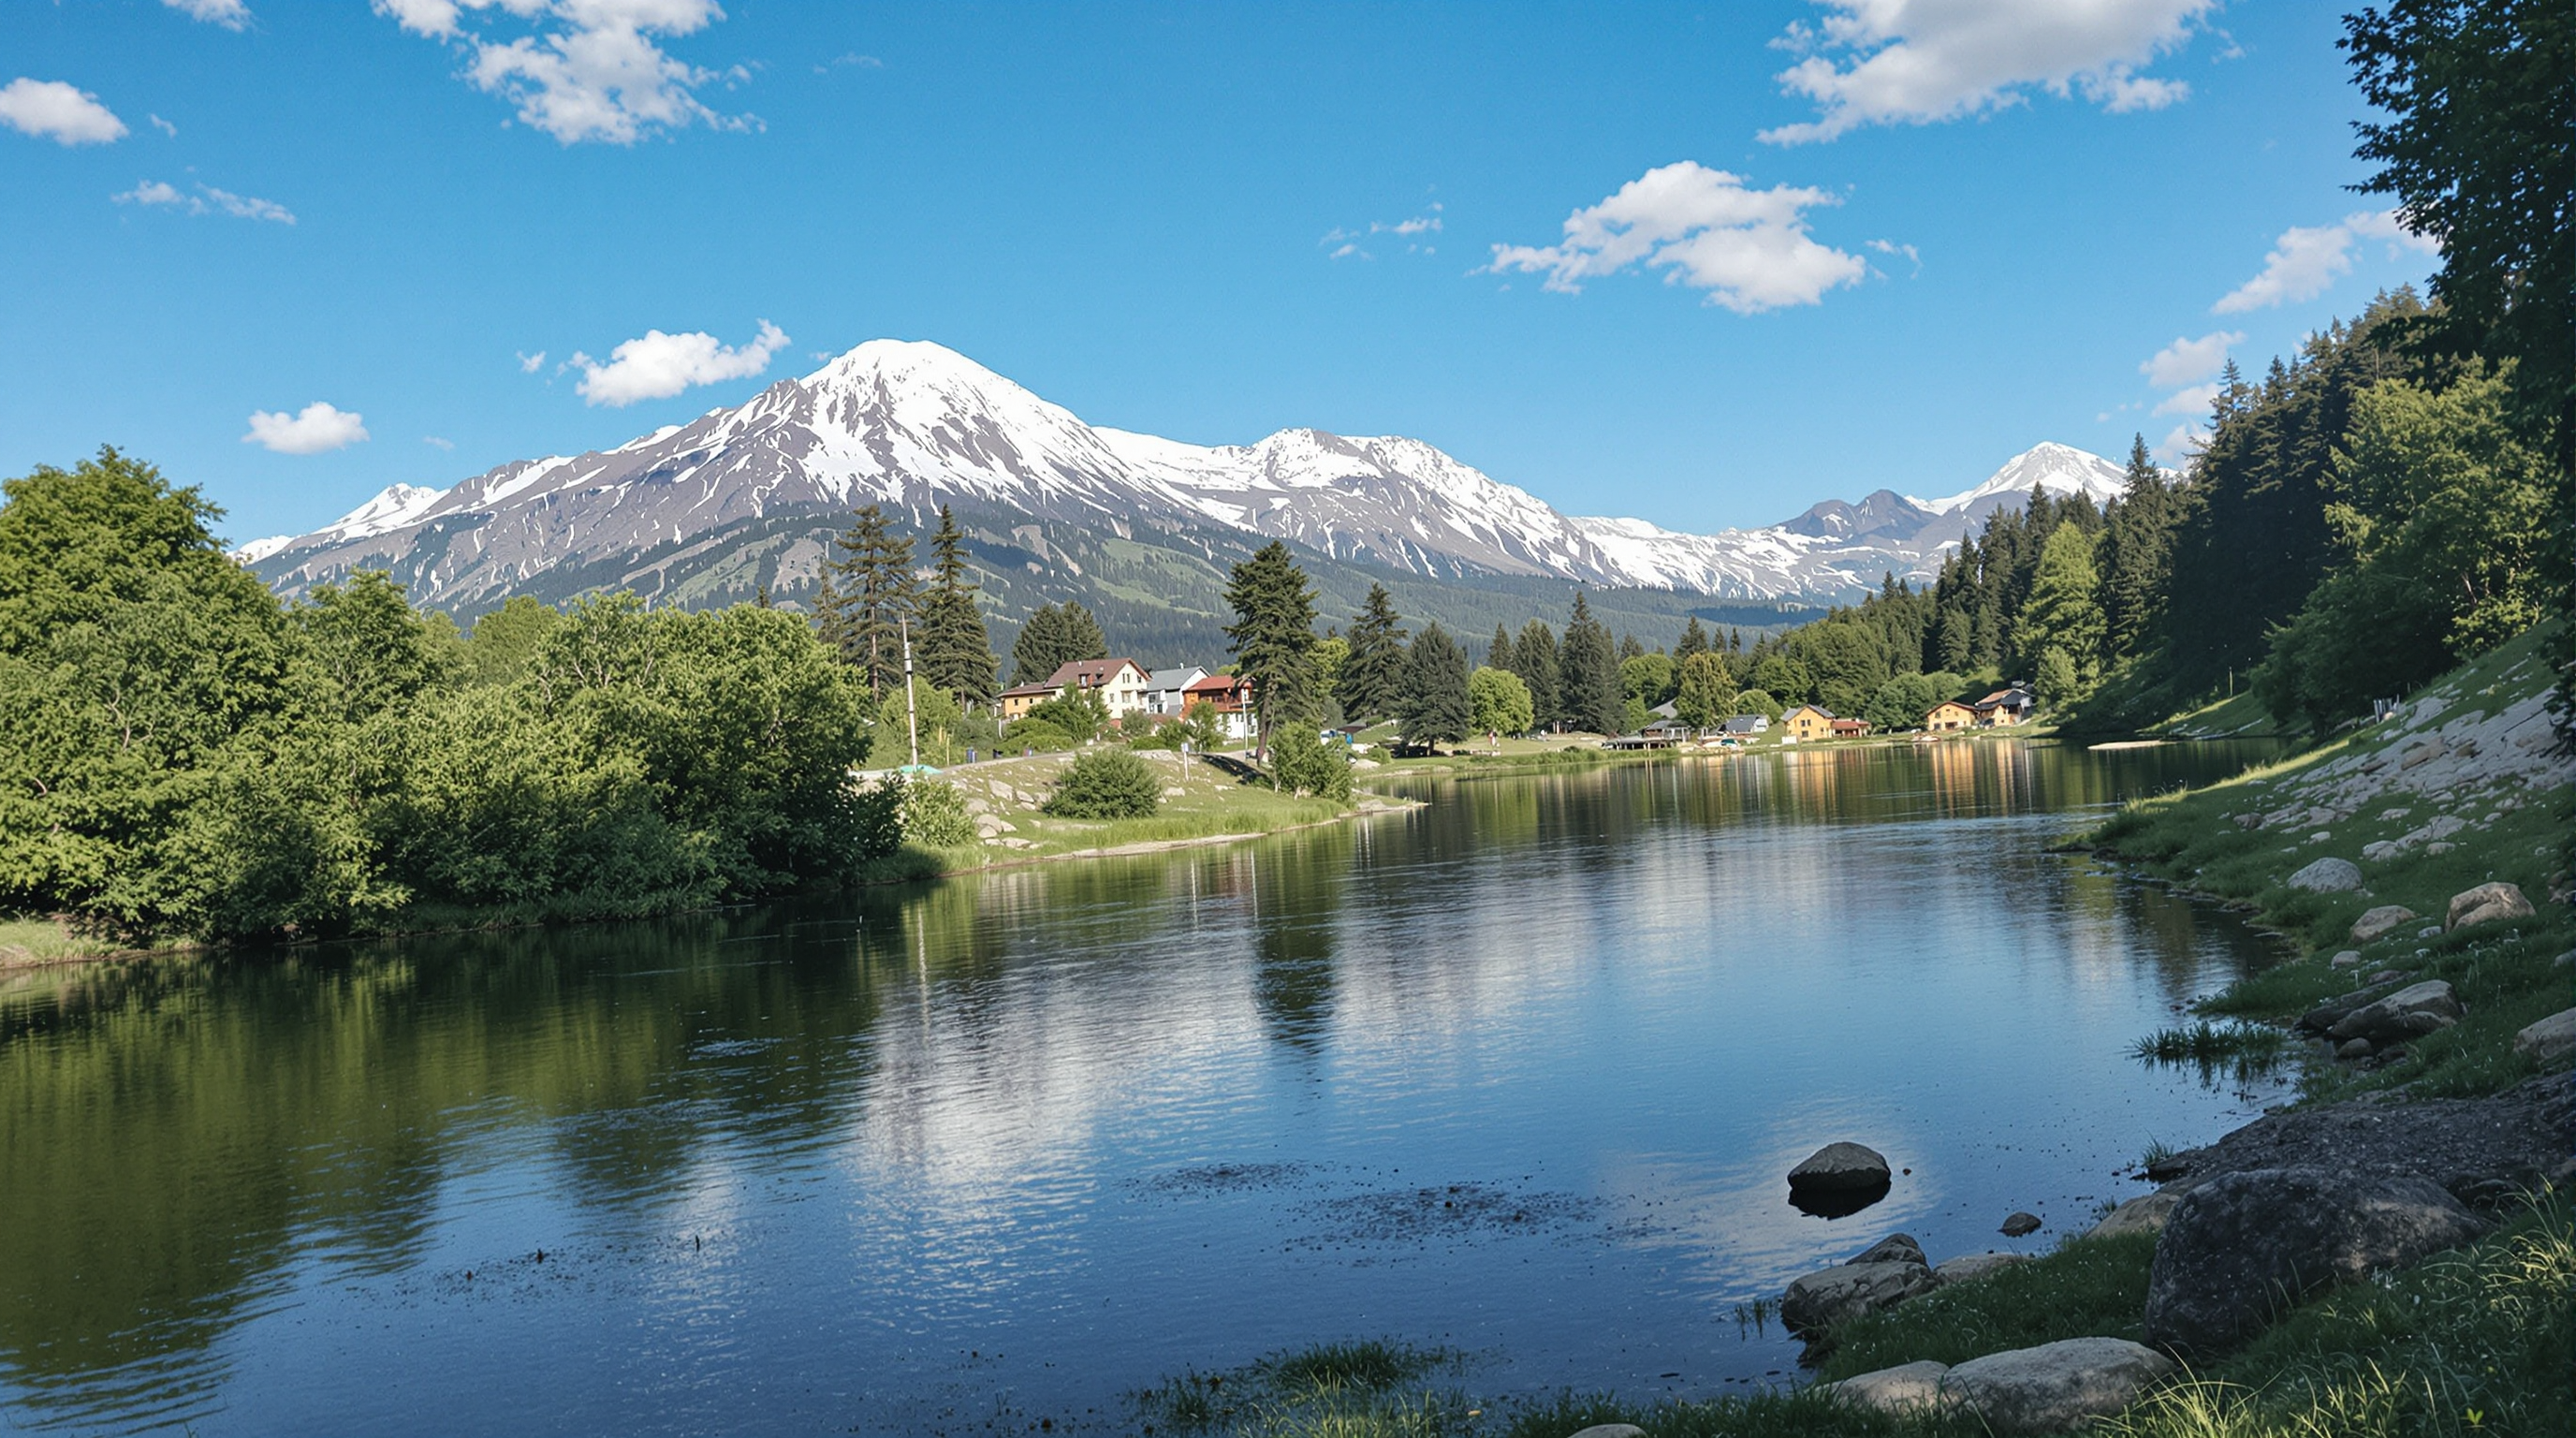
[{"x": 744, "y": 498}]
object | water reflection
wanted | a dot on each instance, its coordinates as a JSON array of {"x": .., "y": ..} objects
[{"x": 832, "y": 1149}]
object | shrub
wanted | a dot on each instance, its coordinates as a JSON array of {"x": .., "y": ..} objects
[
  {"x": 1033, "y": 734},
  {"x": 1106, "y": 784},
  {"x": 934, "y": 814},
  {"x": 1302, "y": 763}
]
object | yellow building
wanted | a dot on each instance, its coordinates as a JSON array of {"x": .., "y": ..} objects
[
  {"x": 1949, "y": 716},
  {"x": 1806, "y": 722}
]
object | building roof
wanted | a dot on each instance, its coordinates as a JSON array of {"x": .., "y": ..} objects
[
  {"x": 1017, "y": 691},
  {"x": 1216, "y": 684},
  {"x": 1091, "y": 673},
  {"x": 1820, "y": 710},
  {"x": 1852, "y": 724},
  {"x": 1746, "y": 724},
  {"x": 1177, "y": 678},
  {"x": 2017, "y": 698}
]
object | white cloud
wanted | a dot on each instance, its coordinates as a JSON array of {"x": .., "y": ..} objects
[
  {"x": 1344, "y": 244},
  {"x": 2307, "y": 259},
  {"x": 1895, "y": 251},
  {"x": 530, "y": 363},
  {"x": 434, "y": 442},
  {"x": 231, "y": 14},
  {"x": 208, "y": 200},
  {"x": 55, "y": 111},
  {"x": 2179, "y": 445},
  {"x": 589, "y": 69},
  {"x": 2190, "y": 361},
  {"x": 658, "y": 366},
  {"x": 1748, "y": 248},
  {"x": 2194, "y": 400},
  {"x": 164, "y": 126},
  {"x": 853, "y": 60},
  {"x": 1915, "y": 62},
  {"x": 317, "y": 428}
]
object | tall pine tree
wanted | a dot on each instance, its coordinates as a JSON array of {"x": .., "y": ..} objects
[
  {"x": 955, "y": 652},
  {"x": 1694, "y": 640},
  {"x": 1534, "y": 660},
  {"x": 1054, "y": 636},
  {"x": 1368, "y": 678},
  {"x": 1433, "y": 706},
  {"x": 1590, "y": 692},
  {"x": 867, "y": 596},
  {"x": 1273, "y": 637}
]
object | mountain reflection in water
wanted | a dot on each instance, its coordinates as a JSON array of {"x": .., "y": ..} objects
[{"x": 1519, "y": 1073}]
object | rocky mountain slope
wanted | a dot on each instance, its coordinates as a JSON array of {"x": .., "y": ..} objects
[{"x": 746, "y": 497}]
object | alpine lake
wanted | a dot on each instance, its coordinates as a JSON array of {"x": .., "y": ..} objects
[{"x": 1518, "y": 1073}]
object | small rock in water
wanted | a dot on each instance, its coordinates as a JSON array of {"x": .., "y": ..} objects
[
  {"x": 1839, "y": 1179},
  {"x": 2021, "y": 1224}
]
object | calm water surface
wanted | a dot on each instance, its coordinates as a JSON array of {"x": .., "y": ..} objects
[{"x": 1518, "y": 1073}]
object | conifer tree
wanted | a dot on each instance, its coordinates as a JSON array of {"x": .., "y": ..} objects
[
  {"x": 1590, "y": 692},
  {"x": 1368, "y": 679},
  {"x": 1694, "y": 640},
  {"x": 1054, "y": 637},
  {"x": 954, "y": 651},
  {"x": 1434, "y": 706},
  {"x": 867, "y": 595},
  {"x": 1534, "y": 660},
  {"x": 2062, "y": 615},
  {"x": 2137, "y": 555},
  {"x": 1498, "y": 654},
  {"x": 1630, "y": 648},
  {"x": 1273, "y": 637}
]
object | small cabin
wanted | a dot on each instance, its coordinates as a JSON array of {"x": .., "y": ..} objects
[
  {"x": 1950, "y": 716},
  {"x": 1745, "y": 726},
  {"x": 1850, "y": 728}
]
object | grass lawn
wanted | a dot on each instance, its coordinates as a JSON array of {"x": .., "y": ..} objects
[{"x": 45, "y": 941}]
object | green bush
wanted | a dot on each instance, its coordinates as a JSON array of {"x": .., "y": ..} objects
[
  {"x": 1035, "y": 736},
  {"x": 1302, "y": 763},
  {"x": 934, "y": 815},
  {"x": 1106, "y": 784}
]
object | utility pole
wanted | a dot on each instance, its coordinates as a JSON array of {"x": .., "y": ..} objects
[{"x": 911, "y": 710}]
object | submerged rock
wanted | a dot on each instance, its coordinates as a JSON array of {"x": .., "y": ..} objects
[
  {"x": 2020, "y": 1225},
  {"x": 2056, "y": 1386},
  {"x": 1839, "y": 1179},
  {"x": 2246, "y": 1245}
]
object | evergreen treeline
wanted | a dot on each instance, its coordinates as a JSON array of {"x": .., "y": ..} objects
[{"x": 190, "y": 757}]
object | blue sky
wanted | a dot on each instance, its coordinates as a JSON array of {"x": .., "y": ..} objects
[{"x": 1952, "y": 231}]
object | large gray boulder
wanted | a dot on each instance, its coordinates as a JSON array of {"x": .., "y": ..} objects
[
  {"x": 2409, "y": 1013},
  {"x": 1848, "y": 1290},
  {"x": 1841, "y": 1168},
  {"x": 1906, "y": 1388},
  {"x": 2328, "y": 876},
  {"x": 2147, "y": 1213},
  {"x": 2486, "y": 904},
  {"x": 2549, "y": 1040},
  {"x": 2382, "y": 920},
  {"x": 2245, "y": 1245},
  {"x": 1895, "y": 1248},
  {"x": 2056, "y": 1386}
]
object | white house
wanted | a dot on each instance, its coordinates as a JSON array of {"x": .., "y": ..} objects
[
  {"x": 1120, "y": 683},
  {"x": 1167, "y": 689}
]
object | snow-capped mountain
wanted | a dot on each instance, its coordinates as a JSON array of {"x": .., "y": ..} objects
[{"x": 913, "y": 425}]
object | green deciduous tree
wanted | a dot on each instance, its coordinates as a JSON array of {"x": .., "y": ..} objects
[
  {"x": 1706, "y": 694},
  {"x": 1497, "y": 702}
]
